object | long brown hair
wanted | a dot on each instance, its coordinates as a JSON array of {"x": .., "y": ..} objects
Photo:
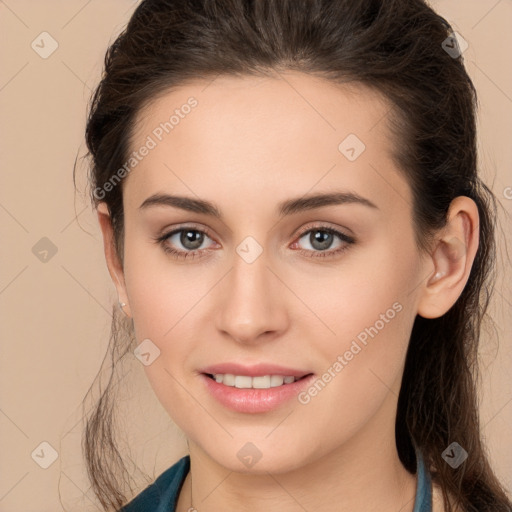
[{"x": 396, "y": 47}]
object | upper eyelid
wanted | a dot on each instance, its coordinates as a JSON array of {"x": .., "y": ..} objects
[{"x": 321, "y": 227}]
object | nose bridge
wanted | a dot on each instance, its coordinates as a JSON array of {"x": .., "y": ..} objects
[
  {"x": 248, "y": 307},
  {"x": 249, "y": 278}
]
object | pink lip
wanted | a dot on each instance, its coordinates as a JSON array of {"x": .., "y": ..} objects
[
  {"x": 254, "y": 401},
  {"x": 256, "y": 370}
]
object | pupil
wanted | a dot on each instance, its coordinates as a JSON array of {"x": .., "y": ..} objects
[
  {"x": 191, "y": 239},
  {"x": 321, "y": 239}
]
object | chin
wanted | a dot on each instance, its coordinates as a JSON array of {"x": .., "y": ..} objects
[{"x": 259, "y": 458}]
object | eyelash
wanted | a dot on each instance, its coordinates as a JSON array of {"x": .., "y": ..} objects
[{"x": 347, "y": 240}]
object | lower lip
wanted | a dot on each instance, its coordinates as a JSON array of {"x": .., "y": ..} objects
[{"x": 249, "y": 400}]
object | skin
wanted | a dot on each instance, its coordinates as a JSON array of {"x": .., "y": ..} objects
[{"x": 250, "y": 144}]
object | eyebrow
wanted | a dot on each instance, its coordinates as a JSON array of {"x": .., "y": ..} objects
[{"x": 288, "y": 207}]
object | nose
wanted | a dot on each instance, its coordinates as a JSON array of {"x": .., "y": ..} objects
[{"x": 251, "y": 308}]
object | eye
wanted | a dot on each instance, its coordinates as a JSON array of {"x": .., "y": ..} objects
[
  {"x": 185, "y": 242},
  {"x": 321, "y": 238}
]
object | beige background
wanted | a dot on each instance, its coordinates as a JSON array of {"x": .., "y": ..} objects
[{"x": 55, "y": 314}]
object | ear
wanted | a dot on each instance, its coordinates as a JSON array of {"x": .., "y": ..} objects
[
  {"x": 114, "y": 265},
  {"x": 453, "y": 254}
]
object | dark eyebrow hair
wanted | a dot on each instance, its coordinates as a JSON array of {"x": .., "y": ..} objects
[{"x": 287, "y": 207}]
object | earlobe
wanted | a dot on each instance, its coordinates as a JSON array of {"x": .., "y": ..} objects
[
  {"x": 114, "y": 265},
  {"x": 453, "y": 255}
]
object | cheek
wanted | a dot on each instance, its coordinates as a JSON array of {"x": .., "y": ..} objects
[
  {"x": 162, "y": 293},
  {"x": 351, "y": 297},
  {"x": 368, "y": 305},
  {"x": 167, "y": 303},
  {"x": 362, "y": 369}
]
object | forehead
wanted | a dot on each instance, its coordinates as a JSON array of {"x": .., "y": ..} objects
[
  {"x": 262, "y": 133},
  {"x": 229, "y": 106}
]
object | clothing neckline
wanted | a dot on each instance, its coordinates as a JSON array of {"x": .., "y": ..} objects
[
  {"x": 422, "y": 499},
  {"x": 162, "y": 494}
]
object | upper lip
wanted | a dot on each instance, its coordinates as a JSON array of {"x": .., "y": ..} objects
[{"x": 254, "y": 370}]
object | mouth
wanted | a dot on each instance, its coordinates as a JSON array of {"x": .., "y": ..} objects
[
  {"x": 257, "y": 382},
  {"x": 253, "y": 394}
]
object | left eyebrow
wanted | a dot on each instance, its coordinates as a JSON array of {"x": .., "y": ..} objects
[
  {"x": 310, "y": 202},
  {"x": 288, "y": 207}
]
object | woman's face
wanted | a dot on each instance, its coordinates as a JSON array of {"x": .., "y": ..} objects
[{"x": 276, "y": 282}]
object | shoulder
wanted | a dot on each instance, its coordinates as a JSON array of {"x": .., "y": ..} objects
[{"x": 161, "y": 495}]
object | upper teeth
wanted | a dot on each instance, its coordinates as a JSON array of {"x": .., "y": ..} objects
[{"x": 244, "y": 381}]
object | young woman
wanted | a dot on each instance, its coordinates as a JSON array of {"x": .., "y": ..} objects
[{"x": 302, "y": 248}]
